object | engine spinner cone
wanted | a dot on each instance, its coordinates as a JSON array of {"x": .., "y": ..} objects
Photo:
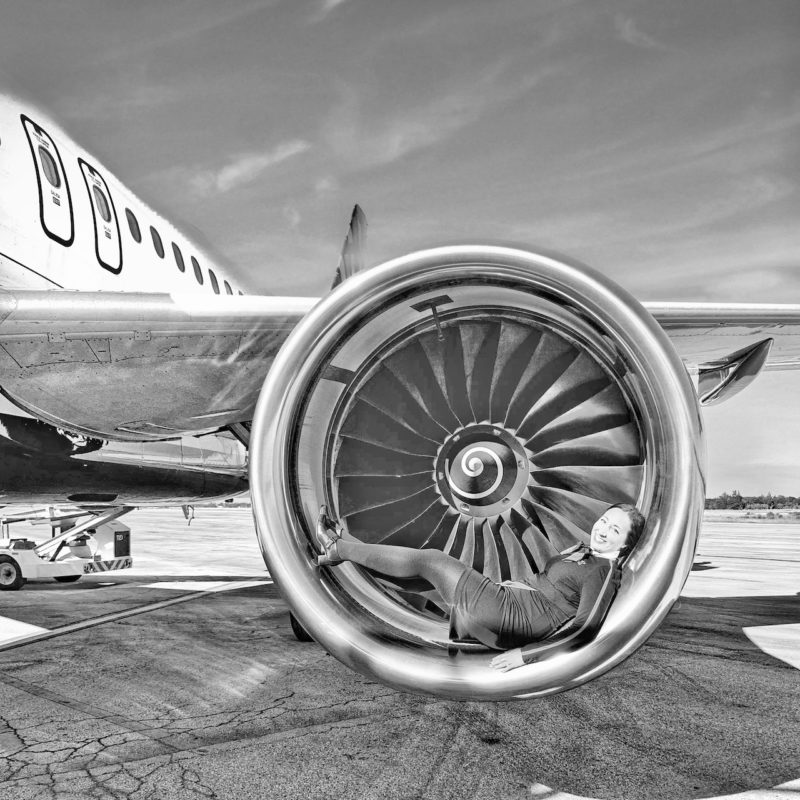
[{"x": 482, "y": 470}]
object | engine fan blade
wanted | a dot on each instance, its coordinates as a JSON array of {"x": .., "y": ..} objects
[
  {"x": 412, "y": 368},
  {"x": 559, "y": 532},
  {"x": 519, "y": 353},
  {"x": 446, "y": 355},
  {"x": 369, "y": 424},
  {"x": 482, "y": 372},
  {"x": 575, "y": 429},
  {"x": 552, "y": 359},
  {"x": 579, "y": 508},
  {"x": 580, "y": 382},
  {"x": 440, "y": 534},
  {"x": 407, "y": 521},
  {"x": 519, "y": 561},
  {"x": 388, "y": 394},
  {"x": 530, "y": 532},
  {"x": 362, "y": 458},
  {"x": 606, "y": 484},
  {"x": 362, "y": 493},
  {"x": 612, "y": 447},
  {"x": 417, "y": 527}
]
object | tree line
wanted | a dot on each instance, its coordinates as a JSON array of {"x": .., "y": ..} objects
[{"x": 736, "y": 500}]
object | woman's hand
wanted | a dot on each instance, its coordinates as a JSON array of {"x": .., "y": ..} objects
[{"x": 511, "y": 659}]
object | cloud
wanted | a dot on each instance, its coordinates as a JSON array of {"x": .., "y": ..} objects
[
  {"x": 701, "y": 177},
  {"x": 135, "y": 98},
  {"x": 751, "y": 263},
  {"x": 292, "y": 216},
  {"x": 390, "y": 136},
  {"x": 325, "y": 186},
  {"x": 325, "y": 9},
  {"x": 733, "y": 200},
  {"x": 175, "y": 27},
  {"x": 245, "y": 168},
  {"x": 303, "y": 254},
  {"x": 627, "y": 31}
]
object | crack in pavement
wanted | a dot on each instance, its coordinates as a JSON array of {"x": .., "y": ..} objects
[
  {"x": 62, "y": 771},
  {"x": 96, "y": 712}
]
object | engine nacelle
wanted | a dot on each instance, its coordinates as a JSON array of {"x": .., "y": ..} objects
[{"x": 491, "y": 403}]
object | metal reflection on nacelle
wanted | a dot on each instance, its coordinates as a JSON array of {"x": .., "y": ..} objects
[
  {"x": 723, "y": 378},
  {"x": 541, "y": 377}
]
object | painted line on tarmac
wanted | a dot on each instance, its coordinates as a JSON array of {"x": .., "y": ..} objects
[
  {"x": 202, "y": 586},
  {"x": 118, "y": 615},
  {"x": 782, "y": 790},
  {"x": 12, "y": 629},
  {"x": 779, "y": 641}
]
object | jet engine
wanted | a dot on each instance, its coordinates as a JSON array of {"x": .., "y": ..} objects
[{"x": 492, "y": 403}]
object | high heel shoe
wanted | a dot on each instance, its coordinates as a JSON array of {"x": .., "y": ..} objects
[{"x": 328, "y": 535}]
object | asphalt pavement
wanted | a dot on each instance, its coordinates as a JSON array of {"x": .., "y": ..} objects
[{"x": 182, "y": 679}]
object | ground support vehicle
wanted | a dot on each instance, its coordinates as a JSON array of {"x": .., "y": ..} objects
[{"x": 101, "y": 544}]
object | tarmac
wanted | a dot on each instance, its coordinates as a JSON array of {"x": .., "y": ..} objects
[{"x": 181, "y": 678}]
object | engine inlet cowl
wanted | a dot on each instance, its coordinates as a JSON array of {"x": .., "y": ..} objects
[{"x": 489, "y": 403}]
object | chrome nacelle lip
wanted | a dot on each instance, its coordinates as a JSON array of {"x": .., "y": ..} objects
[{"x": 655, "y": 573}]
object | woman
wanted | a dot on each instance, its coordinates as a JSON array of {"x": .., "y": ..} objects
[{"x": 504, "y": 616}]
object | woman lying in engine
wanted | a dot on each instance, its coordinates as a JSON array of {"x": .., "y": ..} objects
[{"x": 509, "y": 615}]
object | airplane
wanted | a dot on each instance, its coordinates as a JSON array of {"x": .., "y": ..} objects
[{"x": 135, "y": 370}]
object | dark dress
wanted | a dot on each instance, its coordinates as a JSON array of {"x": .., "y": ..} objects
[{"x": 516, "y": 613}]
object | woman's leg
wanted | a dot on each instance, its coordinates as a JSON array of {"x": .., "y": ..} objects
[{"x": 439, "y": 569}]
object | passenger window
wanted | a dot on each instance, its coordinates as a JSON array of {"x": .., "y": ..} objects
[
  {"x": 214, "y": 282},
  {"x": 157, "y": 243},
  {"x": 50, "y": 168},
  {"x": 228, "y": 289},
  {"x": 107, "y": 239},
  {"x": 198, "y": 273},
  {"x": 102, "y": 204},
  {"x": 133, "y": 224},
  {"x": 55, "y": 200},
  {"x": 176, "y": 251}
]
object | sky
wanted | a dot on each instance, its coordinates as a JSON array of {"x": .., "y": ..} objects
[{"x": 657, "y": 141}]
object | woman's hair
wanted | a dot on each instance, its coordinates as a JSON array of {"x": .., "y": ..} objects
[{"x": 637, "y": 526}]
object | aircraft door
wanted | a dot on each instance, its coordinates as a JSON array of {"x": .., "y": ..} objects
[
  {"x": 55, "y": 201},
  {"x": 107, "y": 240}
]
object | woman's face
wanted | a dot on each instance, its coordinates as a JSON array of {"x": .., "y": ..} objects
[{"x": 610, "y": 532}]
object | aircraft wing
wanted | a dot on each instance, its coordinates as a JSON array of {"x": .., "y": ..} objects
[
  {"x": 132, "y": 366},
  {"x": 704, "y": 333},
  {"x": 726, "y": 345}
]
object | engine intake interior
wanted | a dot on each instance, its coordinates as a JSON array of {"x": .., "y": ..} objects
[{"x": 490, "y": 403}]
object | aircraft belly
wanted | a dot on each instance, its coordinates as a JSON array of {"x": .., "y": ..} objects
[
  {"x": 39, "y": 463},
  {"x": 130, "y": 378},
  {"x": 134, "y": 396}
]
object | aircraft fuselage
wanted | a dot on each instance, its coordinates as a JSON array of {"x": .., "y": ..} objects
[{"x": 67, "y": 223}]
